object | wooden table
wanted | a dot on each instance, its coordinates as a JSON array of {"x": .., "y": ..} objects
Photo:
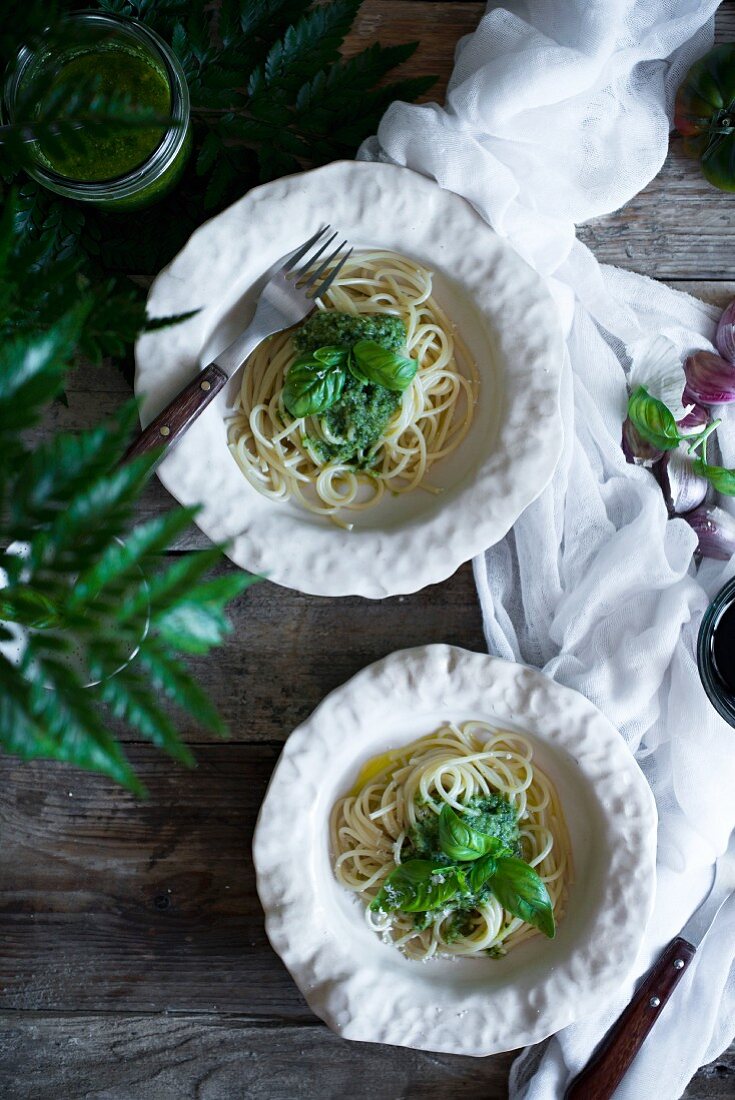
[{"x": 133, "y": 960}]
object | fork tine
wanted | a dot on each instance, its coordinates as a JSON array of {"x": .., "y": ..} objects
[
  {"x": 321, "y": 270},
  {"x": 321, "y": 290},
  {"x": 305, "y": 248},
  {"x": 313, "y": 259}
]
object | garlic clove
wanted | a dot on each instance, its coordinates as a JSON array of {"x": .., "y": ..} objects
[
  {"x": 710, "y": 379},
  {"x": 696, "y": 419},
  {"x": 715, "y": 529},
  {"x": 725, "y": 336},
  {"x": 683, "y": 489},
  {"x": 637, "y": 450}
]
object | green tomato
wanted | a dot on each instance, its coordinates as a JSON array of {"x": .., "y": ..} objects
[{"x": 705, "y": 115}]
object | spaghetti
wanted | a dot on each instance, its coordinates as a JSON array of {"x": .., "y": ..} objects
[
  {"x": 374, "y": 827},
  {"x": 284, "y": 457}
]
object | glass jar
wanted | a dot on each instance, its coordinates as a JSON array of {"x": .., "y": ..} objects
[
  {"x": 138, "y": 165},
  {"x": 716, "y": 640}
]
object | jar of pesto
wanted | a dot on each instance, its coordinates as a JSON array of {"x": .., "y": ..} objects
[{"x": 118, "y": 167}]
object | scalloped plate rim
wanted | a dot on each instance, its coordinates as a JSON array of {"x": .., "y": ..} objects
[
  {"x": 481, "y": 509},
  {"x": 334, "y": 981}
]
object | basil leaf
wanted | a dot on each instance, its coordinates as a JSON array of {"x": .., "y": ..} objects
[
  {"x": 653, "y": 420},
  {"x": 520, "y": 890},
  {"x": 480, "y": 871},
  {"x": 331, "y": 355},
  {"x": 418, "y": 886},
  {"x": 386, "y": 368},
  {"x": 722, "y": 479},
  {"x": 355, "y": 371},
  {"x": 311, "y": 387},
  {"x": 460, "y": 841}
]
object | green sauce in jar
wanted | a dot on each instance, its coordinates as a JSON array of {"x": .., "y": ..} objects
[
  {"x": 117, "y": 70},
  {"x": 116, "y": 167}
]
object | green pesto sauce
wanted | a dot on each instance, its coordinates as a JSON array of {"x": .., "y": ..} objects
[
  {"x": 355, "y": 424},
  {"x": 492, "y": 815},
  {"x": 327, "y": 327},
  {"x": 117, "y": 70}
]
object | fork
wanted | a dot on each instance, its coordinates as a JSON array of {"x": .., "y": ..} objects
[{"x": 289, "y": 296}]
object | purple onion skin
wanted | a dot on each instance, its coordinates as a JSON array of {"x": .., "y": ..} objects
[
  {"x": 725, "y": 337},
  {"x": 710, "y": 379},
  {"x": 715, "y": 530},
  {"x": 637, "y": 450},
  {"x": 683, "y": 489},
  {"x": 696, "y": 419}
]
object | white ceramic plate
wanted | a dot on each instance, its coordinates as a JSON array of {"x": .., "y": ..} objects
[
  {"x": 366, "y": 989},
  {"x": 504, "y": 312}
]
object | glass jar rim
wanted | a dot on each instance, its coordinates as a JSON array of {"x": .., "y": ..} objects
[
  {"x": 722, "y": 700},
  {"x": 165, "y": 153}
]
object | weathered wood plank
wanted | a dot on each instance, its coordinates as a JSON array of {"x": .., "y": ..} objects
[
  {"x": 288, "y": 650},
  {"x": 715, "y": 1081},
  {"x": 113, "y": 904},
  {"x": 437, "y": 27},
  {"x": 109, "y": 902},
  {"x": 210, "y": 1058}
]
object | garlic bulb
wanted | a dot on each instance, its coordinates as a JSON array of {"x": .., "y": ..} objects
[
  {"x": 715, "y": 529},
  {"x": 710, "y": 378}
]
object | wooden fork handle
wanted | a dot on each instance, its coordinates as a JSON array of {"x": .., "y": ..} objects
[
  {"x": 609, "y": 1063},
  {"x": 176, "y": 418}
]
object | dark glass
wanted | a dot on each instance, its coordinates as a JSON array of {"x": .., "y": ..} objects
[{"x": 716, "y": 652}]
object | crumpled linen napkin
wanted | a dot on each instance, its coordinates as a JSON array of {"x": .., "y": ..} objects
[{"x": 558, "y": 111}]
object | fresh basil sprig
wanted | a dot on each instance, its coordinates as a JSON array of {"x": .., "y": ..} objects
[
  {"x": 373, "y": 363},
  {"x": 460, "y": 841},
  {"x": 655, "y": 422},
  {"x": 418, "y": 886},
  {"x": 722, "y": 479},
  {"x": 424, "y": 885},
  {"x": 481, "y": 871},
  {"x": 520, "y": 890},
  {"x": 316, "y": 380}
]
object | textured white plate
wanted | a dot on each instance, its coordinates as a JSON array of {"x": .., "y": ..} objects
[
  {"x": 366, "y": 989},
  {"x": 498, "y": 302}
]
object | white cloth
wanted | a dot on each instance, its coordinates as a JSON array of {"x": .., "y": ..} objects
[{"x": 557, "y": 111}]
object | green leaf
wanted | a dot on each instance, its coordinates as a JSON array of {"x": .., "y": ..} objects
[
  {"x": 311, "y": 387},
  {"x": 459, "y": 841},
  {"x": 310, "y": 44},
  {"x": 32, "y": 368},
  {"x": 128, "y": 698},
  {"x": 383, "y": 367},
  {"x": 66, "y": 710},
  {"x": 722, "y": 479},
  {"x": 193, "y": 627},
  {"x": 653, "y": 420},
  {"x": 171, "y": 585},
  {"x": 520, "y": 891},
  {"x": 481, "y": 871},
  {"x": 25, "y": 605},
  {"x": 102, "y": 508},
  {"x": 418, "y": 886},
  {"x": 121, "y": 560},
  {"x": 331, "y": 356},
  {"x": 61, "y": 468},
  {"x": 171, "y": 677}
]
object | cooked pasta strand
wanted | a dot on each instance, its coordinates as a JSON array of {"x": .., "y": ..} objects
[
  {"x": 452, "y": 765},
  {"x": 273, "y": 450}
]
